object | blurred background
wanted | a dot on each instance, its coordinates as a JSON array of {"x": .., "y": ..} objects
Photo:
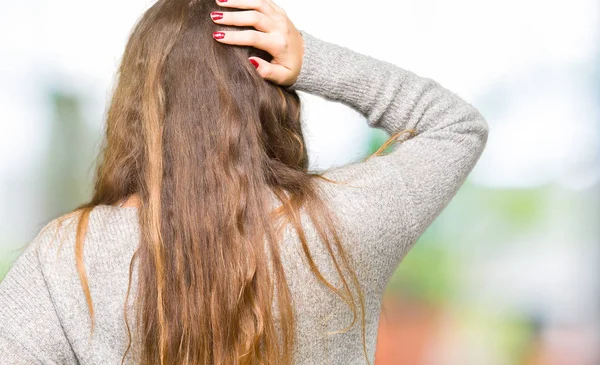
[{"x": 507, "y": 274}]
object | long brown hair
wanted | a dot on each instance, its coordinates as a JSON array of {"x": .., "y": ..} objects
[{"x": 204, "y": 141}]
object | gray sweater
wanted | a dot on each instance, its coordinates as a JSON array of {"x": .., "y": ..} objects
[{"x": 385, "y": 206}]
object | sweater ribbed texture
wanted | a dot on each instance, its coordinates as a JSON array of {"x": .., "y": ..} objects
[{"x": 384, "y": 206}]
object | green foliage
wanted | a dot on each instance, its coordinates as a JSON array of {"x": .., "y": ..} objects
[
  {"x": 518, "y": 209},
  {"x": 4, "y": 266},
  {"x": 512, "y": 334},
  {"x": 6, "y": 260},
  {"x": 377, "y": 139},
  {"x": 427, "y": 272},
  {"x": 70, "y": 158}
]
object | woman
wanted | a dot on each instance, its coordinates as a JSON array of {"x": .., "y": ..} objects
[{"x": 207, "y": 240}]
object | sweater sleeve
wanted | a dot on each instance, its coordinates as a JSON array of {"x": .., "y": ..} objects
[
  {"x": 30, "y": 330},
  {"x": 397, "y": 195}
]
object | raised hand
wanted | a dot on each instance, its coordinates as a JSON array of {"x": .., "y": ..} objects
[{"x": 274, "y": 33}]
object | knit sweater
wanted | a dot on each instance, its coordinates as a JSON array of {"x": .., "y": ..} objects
[{"x": 384, "y": 205}]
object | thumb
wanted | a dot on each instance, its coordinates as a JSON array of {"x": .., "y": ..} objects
[{"x": 269, "y": 71}]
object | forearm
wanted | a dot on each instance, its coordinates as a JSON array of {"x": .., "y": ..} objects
[{"x": 389, "y": 96}]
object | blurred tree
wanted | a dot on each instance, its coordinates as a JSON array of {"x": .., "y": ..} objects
[{"x": 70, "y": 158}]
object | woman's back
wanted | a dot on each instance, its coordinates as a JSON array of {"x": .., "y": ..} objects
[{"x": 383, "y": 205}]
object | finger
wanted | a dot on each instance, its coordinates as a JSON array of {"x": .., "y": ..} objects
[
  {"x": 259, "y": 5},
  {"x": 245, "y": 18},
  {"x": 260, "y": 40},
  {"x": 275, "y": 6},
  {"x": 269, "y": 71}
]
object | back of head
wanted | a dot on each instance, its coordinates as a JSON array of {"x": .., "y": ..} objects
[
  {"x": 204, "y": 94},
  {"x": 204, "y": 140}
]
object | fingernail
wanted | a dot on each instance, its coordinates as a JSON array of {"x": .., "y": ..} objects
[
  {"x": 222, "y": 1},
  {"x": 254, "y": 63},
  {"x": 218, "y": 35},
  {"x": 216, "y": 15}
]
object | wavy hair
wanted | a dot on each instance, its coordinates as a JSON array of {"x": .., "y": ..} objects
[{"x": 206, "y": 143}]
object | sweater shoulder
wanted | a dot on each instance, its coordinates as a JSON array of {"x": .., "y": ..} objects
[{"x": 110, "y": 233}]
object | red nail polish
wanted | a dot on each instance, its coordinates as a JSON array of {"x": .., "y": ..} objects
[
  {"x": 218, "y": 35},
  {"x": 222, "y": 1},
  {"x": 216, "y": 15},
  {"x": 254, "y": 63}
]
